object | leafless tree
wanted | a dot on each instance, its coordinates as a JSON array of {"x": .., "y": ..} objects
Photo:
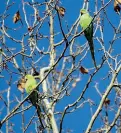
[{"x": 38, "y": 38}]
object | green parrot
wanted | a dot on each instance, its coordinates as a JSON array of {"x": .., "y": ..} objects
[
  {"x": 87, "y": 25},
  {"x": 29, "y": 83}
]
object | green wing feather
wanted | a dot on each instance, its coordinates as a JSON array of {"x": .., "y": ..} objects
[
  {"x": 30, "y": 85},
  {"x": 89, "y": 35},
  {"x": 87, "y": 26}
]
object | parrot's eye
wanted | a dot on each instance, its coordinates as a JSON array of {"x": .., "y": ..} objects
[
  {"x": 25, "y": 80},
  {"x": 81, "y": 13}
]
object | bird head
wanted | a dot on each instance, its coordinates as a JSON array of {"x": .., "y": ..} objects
[
  {"x": 83, "y": 11},
  {"x": 28, "y": 76}
]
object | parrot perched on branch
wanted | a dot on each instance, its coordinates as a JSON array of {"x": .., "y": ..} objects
[
  {"x": 29, "y": 83},
  {"x": 87, "y": 25}
]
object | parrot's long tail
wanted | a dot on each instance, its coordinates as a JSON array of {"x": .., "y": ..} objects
[
  {"x": 34, "y": 100},
  {"x": 92, "y": 52},
  {"x": 39, "y": 114}
]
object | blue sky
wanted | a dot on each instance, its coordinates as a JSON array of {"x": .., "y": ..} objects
[{"x": 78, "y": 120}]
